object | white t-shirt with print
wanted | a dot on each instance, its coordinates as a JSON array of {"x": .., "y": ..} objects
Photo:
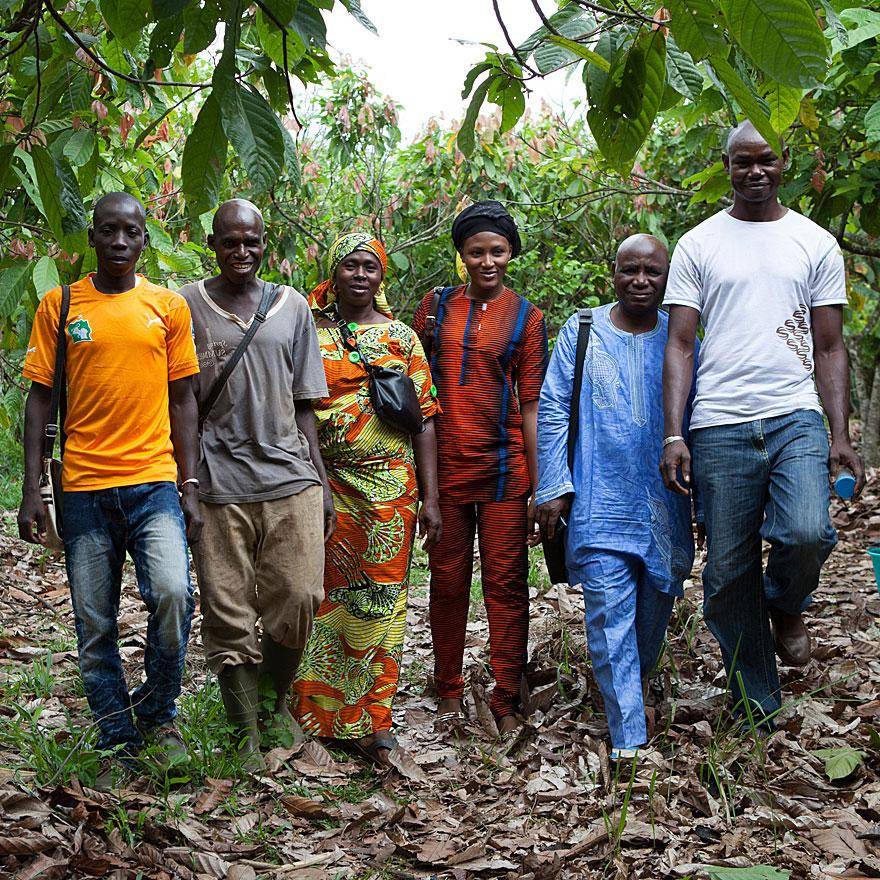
[{"x": 754, "y": 285}]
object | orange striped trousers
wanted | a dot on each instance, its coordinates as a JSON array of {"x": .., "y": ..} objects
[{"x": 501, "y": 526}]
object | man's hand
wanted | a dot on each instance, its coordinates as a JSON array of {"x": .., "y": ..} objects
[
  {"x": 842, "y": 455},
  {"x": 430, "y": 523},
  {"x": 329, "y": 515},
  {"x": 192, "y": 513},
  {"x": 676, "y": 456},
  {"x": 701, "y": 535},
  {"x": 547, "y": 516},
  {"x": 32, "y": 517}
]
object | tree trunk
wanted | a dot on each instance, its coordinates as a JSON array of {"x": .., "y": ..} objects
[
  {"x": 860, "y": 380},
  {"x": 871, "y": 425}
]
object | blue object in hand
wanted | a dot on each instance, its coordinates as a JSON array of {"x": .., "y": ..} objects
[{"x": 845, "y": 484}]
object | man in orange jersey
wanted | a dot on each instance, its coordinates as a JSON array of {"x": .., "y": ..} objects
[{"x": 131, "y": 413}]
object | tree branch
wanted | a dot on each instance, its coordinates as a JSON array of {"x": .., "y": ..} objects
[
  {"x": 859, "y": 244},
  {"x": 104, "y": 66},
  {"x": 616, "y": 13},
  {"x": 283, "y": 28},
  {"x": 510, "y": 42}
]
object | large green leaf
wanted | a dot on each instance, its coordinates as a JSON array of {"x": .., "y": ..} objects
[
  {"x": 354, "y": 7},
  {"x": 623, "y": 116},
  {"x": 756, "y": 872},
  {"x": 861, "y": 25},
  {"x": 784, "y": 103},
  {"x": 513, "y": 104},
  {"x": 126, "y": 18},
  {"x": 169, "y": 8},
  {"x": 13, "y": 281},
  {"x": 841, "y": 763},
  {"x": 252, "y": 129},
  {"x": 781, "y": 37},
  {"x": 45, "y": 276},
  {"x": 872, "y": 122},
  {"x": 204, "y": 159},
  {"x": 309, "y": 25},
  {"x": 581, "y": 51},
  {"x": 746, "y": 99},
  {"x": 79, "y": 147},
  {"x": 551, "y": 52},
  {"x": 681, "y": 72},
  {"x": 200, "y": 25},
  {"x": 163, "y": 41},
  {"x": 695, "y": 25},
  {"x": 466, "y": 139}
]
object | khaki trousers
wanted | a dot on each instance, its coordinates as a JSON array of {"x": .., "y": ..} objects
[{"x": 261, "y": 559}]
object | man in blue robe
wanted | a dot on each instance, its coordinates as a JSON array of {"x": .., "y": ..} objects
[{"x": 629, "y": 540}]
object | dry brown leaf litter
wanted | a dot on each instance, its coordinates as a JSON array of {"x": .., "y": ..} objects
[{"x": 459, "y": 804}]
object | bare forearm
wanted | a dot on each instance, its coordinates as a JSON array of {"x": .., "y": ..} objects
[
  {"x": 36, "y": 415},
  {"x": 184, "y": 414},
  {"x": 530, "y": 439},
  {"x": 425, "y": 449},
  {"x": 678, "y": 372},
  {"x": 832, "y": 380}
]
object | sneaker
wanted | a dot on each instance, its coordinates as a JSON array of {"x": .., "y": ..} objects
[{"x": 165, "y": 746}]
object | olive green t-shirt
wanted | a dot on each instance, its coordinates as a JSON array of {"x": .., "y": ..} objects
[{"x": 252, "y": 448}]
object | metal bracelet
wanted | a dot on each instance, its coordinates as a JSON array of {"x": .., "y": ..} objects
[
  {"x": 192, "y": 480},
  {"x": 673, "y": 439}
]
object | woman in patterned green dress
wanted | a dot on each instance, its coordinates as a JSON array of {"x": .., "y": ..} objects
[{"x": 348, "y": 677}]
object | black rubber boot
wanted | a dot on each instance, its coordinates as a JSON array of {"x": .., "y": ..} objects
[
  {"x": 241, "y": 699},
  {"x": 277, "y": 672}
]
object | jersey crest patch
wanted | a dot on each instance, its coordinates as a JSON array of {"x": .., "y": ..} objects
[{"x": 80, "y": 330}]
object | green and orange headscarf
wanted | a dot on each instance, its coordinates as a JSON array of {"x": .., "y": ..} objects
[{"x": 323, "y": 296}]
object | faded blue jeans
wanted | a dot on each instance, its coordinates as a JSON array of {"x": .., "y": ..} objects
[
  {"x": 99, "y": 527},
  {"x": 762, "y": 479}
]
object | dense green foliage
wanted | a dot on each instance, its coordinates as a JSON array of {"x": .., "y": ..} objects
[{"x": 155, "y": 98}]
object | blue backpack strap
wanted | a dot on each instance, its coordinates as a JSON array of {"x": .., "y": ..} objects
[{"x": 435, "y": 316}]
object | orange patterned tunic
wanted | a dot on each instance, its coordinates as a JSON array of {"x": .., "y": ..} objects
[{"x": 348, "y": 677}]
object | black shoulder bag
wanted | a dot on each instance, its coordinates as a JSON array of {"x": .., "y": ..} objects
[
  {"x": 50, "y": 478},
  {"x": 220, "y": 382},
  {"x": 554, "y": 548},
  {"x": 393, "y": 394}
]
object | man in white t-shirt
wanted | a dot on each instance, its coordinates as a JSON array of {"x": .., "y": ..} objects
[{"x": 768, "y": 287}]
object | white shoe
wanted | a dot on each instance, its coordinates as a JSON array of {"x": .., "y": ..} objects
[{"x": 622, "y": 755}]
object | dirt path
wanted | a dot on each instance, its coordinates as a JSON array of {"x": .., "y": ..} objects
[{"x": 544, "y": 806}]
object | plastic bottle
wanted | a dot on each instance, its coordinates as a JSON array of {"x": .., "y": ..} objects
[{"x": 845, "y": 484}]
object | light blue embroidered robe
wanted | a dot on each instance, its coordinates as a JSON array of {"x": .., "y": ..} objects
[{"x": 620, "y": 502}]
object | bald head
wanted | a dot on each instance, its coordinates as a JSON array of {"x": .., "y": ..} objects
[
  {"x": 641, "y": 245},
  {"x": 236, "y": 212},
  {"x": 744, "y": 134},
  {"x": 114, "y": 201}
]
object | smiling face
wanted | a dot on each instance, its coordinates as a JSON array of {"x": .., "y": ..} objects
[
  {"x": 118, "y": 234},
  {"x": 640, "y": 272},
  {"x": 485, "y": 256},
  {"x": 754, "y": 167},
  {"x": 357, "y": 279},
  {"x": 238, "y": 242}
]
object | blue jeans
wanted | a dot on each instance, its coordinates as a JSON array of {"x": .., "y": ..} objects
[
  {"x": 763, "y": 479},
  {"x": 99, "y": 527},
  {"x": 626, "y": 619}
]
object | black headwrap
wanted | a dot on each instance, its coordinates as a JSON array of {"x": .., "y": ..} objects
[{"x": 485, "y": 217}]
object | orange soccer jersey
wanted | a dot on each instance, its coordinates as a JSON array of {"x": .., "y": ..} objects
[
  {"x": 122, "y": 351},
  {"x": 488, "y": 358}
]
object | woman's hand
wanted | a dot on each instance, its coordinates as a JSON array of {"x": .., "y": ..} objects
[{"x": 430, "y": 523}]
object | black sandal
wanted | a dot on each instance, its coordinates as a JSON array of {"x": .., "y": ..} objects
[{"x": 381, "y": 741}]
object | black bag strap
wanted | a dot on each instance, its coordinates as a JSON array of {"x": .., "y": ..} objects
[
  {"x": 585, "y": 322},
  {"x": 429, "y": 336},
  {"x": 52, "y": 426},
  {"x": 232, "y": 361}
]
